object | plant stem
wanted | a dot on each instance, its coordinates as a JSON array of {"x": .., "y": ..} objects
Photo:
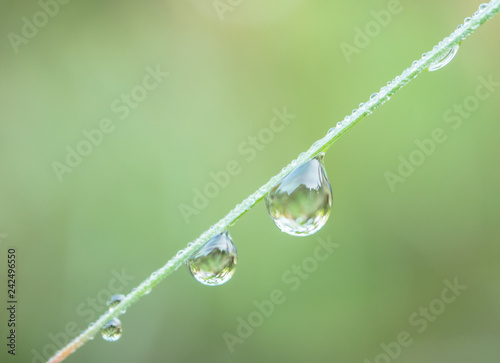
[{"x": 454, "y": 39}]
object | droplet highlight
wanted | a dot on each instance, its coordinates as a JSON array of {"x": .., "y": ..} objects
[
  {"x": 214, "y": 264},
  {"x": 112, "y": 330},
  {"x": 301, "y": 202},
  {"x": 440, "y": 63}
]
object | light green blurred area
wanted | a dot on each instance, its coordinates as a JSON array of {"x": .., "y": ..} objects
[{"x": 120, "y": 208}]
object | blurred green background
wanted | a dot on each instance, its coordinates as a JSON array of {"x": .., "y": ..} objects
[{"x": 119, "y": 208}]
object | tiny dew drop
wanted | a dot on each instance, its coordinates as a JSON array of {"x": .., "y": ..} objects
[
  {"x": 440, "y": 63},
  {"x": 214, "y": 263},
  {"x": 300, "y": 203},
  {"x": 112, "y": 330},
  {"x": 115, "y": 300}
]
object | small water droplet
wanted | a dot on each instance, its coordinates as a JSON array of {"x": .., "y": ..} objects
[
  {"x": 440, "y": 63},
  {"x": 115, "y": 300},
  {"x": 300, "y": 203},
  {"x": 483, "y": 6},
  {"x": 112, "y": 330},
  {"x": 215, "y": 263},
  {"x": 467, "y": 20},
  {"x": 373, "y": 95}
]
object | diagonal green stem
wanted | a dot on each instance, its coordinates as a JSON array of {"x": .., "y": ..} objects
[{"x": 486, "y": 12}]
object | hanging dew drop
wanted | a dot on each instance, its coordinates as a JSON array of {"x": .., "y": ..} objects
[
  {"x": 114, "y": 301},
  {"x": 215, "y": 263},
  {"x": 301, "y": 202},
  {"x": 112, "y": 330},
  {"x": 440, "y": 63}
]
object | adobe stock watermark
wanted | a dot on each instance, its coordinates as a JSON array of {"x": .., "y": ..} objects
[
  {"x": 249, "y": 149},
  {"x": 453, "y": 116},
  {"x": 293, "y": 278},
  {"x": 30, "y": 26},
  {"x": 90, "y": 309},
  {"x": 121, "y": 107},
  {"x": 223, "y": 6},
  {"x": 420, "y": 321},
  {"x": 364, "y": 35}
]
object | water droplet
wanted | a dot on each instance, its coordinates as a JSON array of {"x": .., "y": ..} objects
[
  {"x": 440, "y": 63},
  {"x": 483, "y": 6},
  {"x": 373, "y": 95},
  {"x": 115, "y": 300},
  {"x": 214, "y": 263},
  {"x": 112, "y": 330},
  {"x": 467, "y": 20},
  {"x": 300, "y": 203}
]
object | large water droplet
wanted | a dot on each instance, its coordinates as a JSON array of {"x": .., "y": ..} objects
[
  {"x": 300, "y": 203},
  {"x": 214, "y": 263},
  {"x": 440, "y": 63},
  {"x": 112, "y": 330}
]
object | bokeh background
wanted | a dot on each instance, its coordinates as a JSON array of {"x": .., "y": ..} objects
[{"x": 119, "y": 209}]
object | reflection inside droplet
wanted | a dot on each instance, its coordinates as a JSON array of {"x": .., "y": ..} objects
[
  {"x": 214, "y": 263},
  {"x": 301, "y": 202}
]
